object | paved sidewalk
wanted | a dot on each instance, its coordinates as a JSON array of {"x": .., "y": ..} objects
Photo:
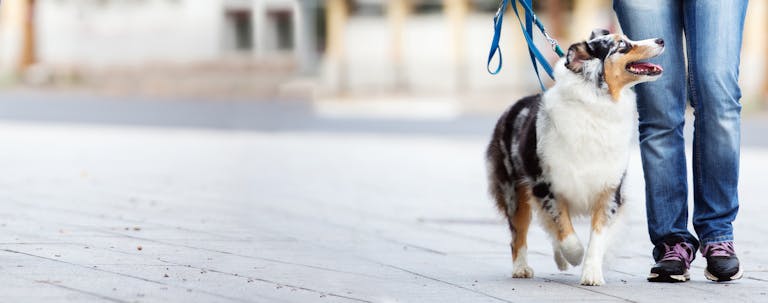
[{"x": 143, "y": 214}]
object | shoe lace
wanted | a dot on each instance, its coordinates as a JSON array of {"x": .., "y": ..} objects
[
  {"x": 679, "y": 252},
  {"x": 722, "y": 249}
]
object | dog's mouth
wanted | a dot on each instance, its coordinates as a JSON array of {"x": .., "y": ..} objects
[{"x": 644, "y": 68}]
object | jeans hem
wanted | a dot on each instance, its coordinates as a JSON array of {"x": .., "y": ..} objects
[{"x": 716, "y": 239}]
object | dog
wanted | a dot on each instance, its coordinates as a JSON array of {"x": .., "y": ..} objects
[{"x": 565, "y": 152}]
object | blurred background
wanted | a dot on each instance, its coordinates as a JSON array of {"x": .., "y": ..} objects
[{"x": 425, "y": 54}]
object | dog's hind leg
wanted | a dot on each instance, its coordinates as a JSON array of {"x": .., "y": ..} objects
[
  {"x": 557, "y": 221},
  {"x": 519, "y": 222},
  {"x": 512, "y": 199},
  {"x": 514, "y": 203},
  {"x": 604, "y": 217}
]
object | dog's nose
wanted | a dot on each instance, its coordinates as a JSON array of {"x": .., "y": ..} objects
[{"x": 660, "y": 41}]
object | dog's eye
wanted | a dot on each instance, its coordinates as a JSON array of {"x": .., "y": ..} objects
[{"x": 623, "y": 47}]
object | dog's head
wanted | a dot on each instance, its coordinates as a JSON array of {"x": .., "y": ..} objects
[{"x": 614, "y": 60}]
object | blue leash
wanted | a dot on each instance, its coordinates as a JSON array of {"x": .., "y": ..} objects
[{"x": 527, "y": 28}]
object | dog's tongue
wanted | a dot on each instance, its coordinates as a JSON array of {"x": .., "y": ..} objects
[{"x": 646, "y": 66}]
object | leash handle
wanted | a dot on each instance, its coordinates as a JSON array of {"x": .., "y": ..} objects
[
  {"x": 498, "y": 20},
  {"x": 527, "y": 28}
]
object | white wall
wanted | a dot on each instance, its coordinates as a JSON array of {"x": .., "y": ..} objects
[
  {"x": 124, "y": 32},
  {"x": 11, "y": 35}
]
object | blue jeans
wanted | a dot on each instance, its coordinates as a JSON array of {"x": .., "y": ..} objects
[{"x": 713, "y": 34}]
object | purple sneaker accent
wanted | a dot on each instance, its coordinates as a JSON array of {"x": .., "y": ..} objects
[
  {"x": 681, "y": 251},
  {"x": 720, "y": 249}
]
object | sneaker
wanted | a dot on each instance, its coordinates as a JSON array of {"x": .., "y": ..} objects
[
  {"x": 674, "y": 265},
  {"x": 722, "y": 263}
]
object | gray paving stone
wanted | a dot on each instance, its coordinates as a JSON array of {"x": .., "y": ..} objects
[{"x": 249, "y": 216}]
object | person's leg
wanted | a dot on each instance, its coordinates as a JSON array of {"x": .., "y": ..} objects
[
  {"x": 661, "y": 105},
  {"x": 713, "y": 31}
]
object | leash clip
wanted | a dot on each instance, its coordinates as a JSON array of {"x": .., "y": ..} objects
[{"x": 553, "y": 43}]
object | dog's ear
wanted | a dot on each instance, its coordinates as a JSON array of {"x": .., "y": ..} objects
[
  {"x": 598, "y": 32},
  {"x": 577, "y": 54}
]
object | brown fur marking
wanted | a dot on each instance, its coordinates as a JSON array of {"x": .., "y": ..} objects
[
  {"x": 562, "y": 227},
  {"x": 599, "y": 210},
  {"x": 521, "y": 219},
  {"x": 564, "y": 224}
]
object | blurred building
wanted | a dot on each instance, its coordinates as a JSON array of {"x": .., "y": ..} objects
[
  {"x": 172, "y": 45},
  {"x": 440, "y": 46},
  {"x": 270, "y": 47},
  {"x": 435, "y": 47}
]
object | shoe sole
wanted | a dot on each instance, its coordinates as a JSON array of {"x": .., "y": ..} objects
[
  {"x": 654, "y": 277},
  {"x": 712, "y": 277}
]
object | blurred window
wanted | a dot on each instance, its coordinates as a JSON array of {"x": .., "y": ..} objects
[
  {"x": 488, "y": 6},
  {"x": 367, "y": 8},
  {"x": 241, "y": 29},
  {"x": 320, "y": 29},
  {"x": 282, "y": 22},
  {"x": 425, "y": 7}
]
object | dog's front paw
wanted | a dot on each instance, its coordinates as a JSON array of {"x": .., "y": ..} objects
[
  {"x": 572, "y": 249},
  {"x": 592, "y": 276},
  {"x": 522, "y": 271},
  {"x": 562, "y": 263}
]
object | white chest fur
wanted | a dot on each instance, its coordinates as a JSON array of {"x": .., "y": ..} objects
[{"x": 584, "y": 140}]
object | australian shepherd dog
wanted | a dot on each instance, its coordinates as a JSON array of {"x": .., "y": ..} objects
[{"x": 565, "y": 152}]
